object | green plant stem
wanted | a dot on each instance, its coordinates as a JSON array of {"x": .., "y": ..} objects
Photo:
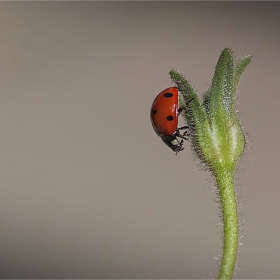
[{"x": 225, "y": 183}]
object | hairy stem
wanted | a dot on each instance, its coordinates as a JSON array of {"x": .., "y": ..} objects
[{"x": 225, "y": 182}]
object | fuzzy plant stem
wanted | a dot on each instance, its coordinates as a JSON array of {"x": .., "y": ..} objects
[
  {"x": 218, "y": 140},
  {"x": 225, "y": 183}
]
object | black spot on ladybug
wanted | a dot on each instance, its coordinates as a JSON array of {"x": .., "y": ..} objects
[
  {"x": 154, "y": 112},
  {"x": 168, "y": 95},
  {"x": 169, "y": 118}
]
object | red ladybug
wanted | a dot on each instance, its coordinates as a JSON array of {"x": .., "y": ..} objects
[{"x": 164, "y": 117}]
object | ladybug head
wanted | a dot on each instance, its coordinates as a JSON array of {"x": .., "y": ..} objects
[{"x": 173, "y": 143}]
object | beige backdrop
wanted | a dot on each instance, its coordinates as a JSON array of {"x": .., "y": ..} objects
[{"x": 87, "y": 189}]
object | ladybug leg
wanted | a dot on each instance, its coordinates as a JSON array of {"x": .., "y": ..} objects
[
  {"x": 183, "y": 136},
  {"x": 184, "y": 107},
  {"x": 183, "y": 127},
  {"x": 181, "y": 147},
  {"x": 181, "y": 109},
  {"x": 186, "y": 133}
]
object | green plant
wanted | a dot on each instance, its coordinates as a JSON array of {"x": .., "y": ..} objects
[{"x": 218, "y": 140}]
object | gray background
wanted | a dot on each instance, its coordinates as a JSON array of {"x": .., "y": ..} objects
[{"x": 87, "y": 188}]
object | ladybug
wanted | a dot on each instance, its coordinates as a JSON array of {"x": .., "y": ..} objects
[{"x": 164, "y": 118}]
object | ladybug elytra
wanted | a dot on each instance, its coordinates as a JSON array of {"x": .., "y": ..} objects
[{"x": 164, "y": 117}]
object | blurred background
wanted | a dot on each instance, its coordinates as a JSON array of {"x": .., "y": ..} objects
[{"x": 88, "y": 190}]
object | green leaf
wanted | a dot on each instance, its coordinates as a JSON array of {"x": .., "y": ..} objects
[
  {"x": 222, "y": 84},
  {"x": 239, "y": 70}
]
